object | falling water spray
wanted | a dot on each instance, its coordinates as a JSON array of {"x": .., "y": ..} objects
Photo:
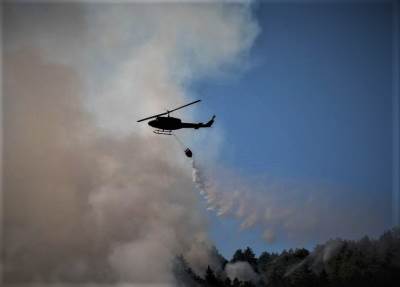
[{"x": 234, "y": 203}]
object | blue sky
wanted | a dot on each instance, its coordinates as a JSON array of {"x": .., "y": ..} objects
[{"x": 315, "y": 105}]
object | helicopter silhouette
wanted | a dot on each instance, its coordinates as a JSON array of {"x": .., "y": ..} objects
[{"x": 165, "y": 125}]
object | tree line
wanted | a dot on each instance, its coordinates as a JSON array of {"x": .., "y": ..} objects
[{"x": 336, "y": 263}]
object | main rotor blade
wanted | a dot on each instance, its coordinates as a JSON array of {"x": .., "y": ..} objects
[
  {"x": 148, "y": 118},
  {"x": 184, "y": 106},
  {"x": 167, "y": 112}
]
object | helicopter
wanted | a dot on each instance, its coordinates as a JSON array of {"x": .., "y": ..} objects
[{"x": 165, "y": 125}]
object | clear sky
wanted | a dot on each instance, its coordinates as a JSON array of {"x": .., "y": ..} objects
[{"x": 314, "y": 105}]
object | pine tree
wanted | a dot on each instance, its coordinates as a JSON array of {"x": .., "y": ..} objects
[
  {"x": 263, "y": 260},
  {"x": 210, "y": 278},
  {"x": 236, "y": 283},
  {"x": 250, "y": 257},
  {"x": 237, "y": 256}
]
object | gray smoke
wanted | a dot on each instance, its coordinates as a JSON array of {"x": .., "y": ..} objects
[
  {"x": 242, "y": 271},
  {"x": 90, "y": 195}
]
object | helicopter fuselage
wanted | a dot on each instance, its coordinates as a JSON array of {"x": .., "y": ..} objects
[
  {"x": 166, "y": 123},
  {"x": 171, "y": 123}
]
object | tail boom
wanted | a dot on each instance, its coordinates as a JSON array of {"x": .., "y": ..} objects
[{"x": 199, "y": 125}]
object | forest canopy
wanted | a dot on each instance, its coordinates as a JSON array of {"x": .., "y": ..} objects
[{"x": 338, "y": 262}]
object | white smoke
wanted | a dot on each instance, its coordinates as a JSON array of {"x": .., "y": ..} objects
[
  {"x": 171, "y": 46},
  {"x": 89, "y": 194},
  {"x": 242, "y": 271},
  {"x": 320, "y": 257}
]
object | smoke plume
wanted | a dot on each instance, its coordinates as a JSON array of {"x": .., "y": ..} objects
[
  {"x": 242, "y": 271},
  {"x": 298, "y": 211},
  {"x": 90, "y": 196}
]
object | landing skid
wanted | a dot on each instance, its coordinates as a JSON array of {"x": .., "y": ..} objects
[{"x": 163, "y": 132}]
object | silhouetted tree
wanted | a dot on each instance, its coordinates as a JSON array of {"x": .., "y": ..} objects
[
  {"x": 237, "y": 256},
  {"x": 337, "y": 263},
  {"x": 301, "y": 253},
  {"x": 184, "y": 275},
  {"x": 236, "y": 283},
  {"x": 210, "y": 278},
  {"x": 227, "y": 282},
  {"x": 250, "y": 257},
  {"x": 247, "y": 284}
]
